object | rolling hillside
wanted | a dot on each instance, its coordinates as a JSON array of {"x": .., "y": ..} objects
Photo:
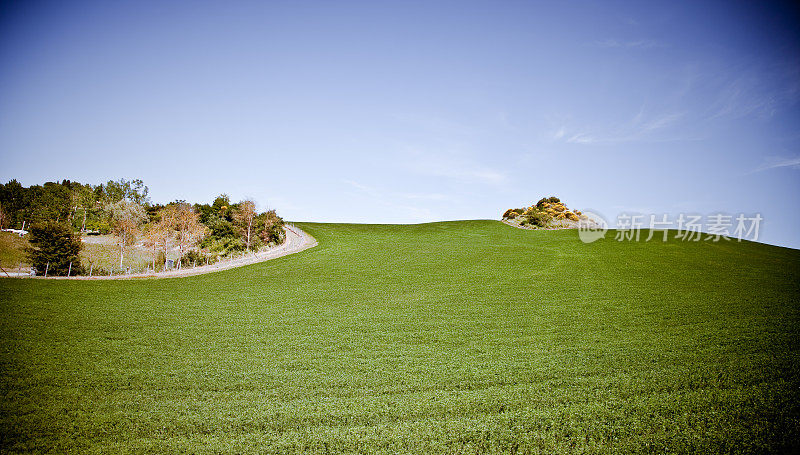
[{"x": 454, "y": 337}]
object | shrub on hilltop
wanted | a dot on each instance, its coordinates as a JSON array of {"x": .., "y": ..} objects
[{"x": 542, "y": 214}]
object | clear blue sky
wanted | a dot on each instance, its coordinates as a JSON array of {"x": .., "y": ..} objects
[{"x": 412, "y": 111}]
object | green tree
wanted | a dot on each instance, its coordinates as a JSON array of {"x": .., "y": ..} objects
[
  {"x": 54, "y": 248},
  {"x": 270, "y": 228},
  {"x": 129, "y": 190},
  {"x": 14, "y": 198}
]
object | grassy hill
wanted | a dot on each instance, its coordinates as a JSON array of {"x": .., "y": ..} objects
[{"x": 456, "y": 337}]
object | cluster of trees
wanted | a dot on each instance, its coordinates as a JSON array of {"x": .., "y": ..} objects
[
  {"x": 84, "y": 207},
  {"x": 238, "y": 226},
  {"x": 197, "y": 232}
]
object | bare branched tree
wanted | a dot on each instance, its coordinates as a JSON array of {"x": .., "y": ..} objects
[
  {"x": 127, "y": 219},
  {"x": 244, "y": 216},
  {"x": 188, "y": 228},
  {"x": 154, "y": 238}
]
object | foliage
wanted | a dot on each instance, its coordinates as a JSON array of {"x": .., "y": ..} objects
[
  {"x": 80, "y": 205},
  {"x": 244, "y": 215},
  {"x": 228, "y": 226},
  {"x": 417, "y": 339},
  {"x": 270, "y": 228},
  {"x": 543, "y": 213},
  {"x": 197, "y": 257},
  {"x": 543, "y": 202},
  {"x": 539, "y": 218},
  {"x": 188, "y": 229},
  {"x": 133, "y": 191},
  {"x": 123, "y": 207},
  {"x": 127, "y": 218},
  {"x": 54, "y": 249}
]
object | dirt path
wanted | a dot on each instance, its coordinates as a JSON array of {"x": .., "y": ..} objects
[{"x": 296, "y": 241}]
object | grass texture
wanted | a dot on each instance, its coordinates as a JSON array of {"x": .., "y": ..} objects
[
  {"x": 12, "y": 250},
  {"x": 453, "y": 337}
]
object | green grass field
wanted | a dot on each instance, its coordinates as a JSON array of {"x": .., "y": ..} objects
[{"x": 455, "y": 337}]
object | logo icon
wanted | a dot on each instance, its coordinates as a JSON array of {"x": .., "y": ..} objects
[{"x": 591, "y": 227}]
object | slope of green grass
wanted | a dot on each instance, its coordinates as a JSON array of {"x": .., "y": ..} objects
[
  {"x": 456, "y": 337},
  {"x": 12, "y": 250}
]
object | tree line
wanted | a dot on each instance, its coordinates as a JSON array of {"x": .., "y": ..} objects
[{"x": 57, "y": 213}]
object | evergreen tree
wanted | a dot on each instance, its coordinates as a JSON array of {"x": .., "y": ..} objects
[{"x": 54, "y": 247}]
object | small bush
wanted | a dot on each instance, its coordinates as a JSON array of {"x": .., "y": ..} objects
[
  {"x": 540, "y": 218},
  {"x": 195, "y": 257}
]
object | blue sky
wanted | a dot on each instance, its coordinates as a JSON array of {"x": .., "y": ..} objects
[{"x": 413, "y": 111}]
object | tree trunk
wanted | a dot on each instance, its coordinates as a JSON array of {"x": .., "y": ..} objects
[
  {"x": 83, "y": 226},
  {"x": 249, "y": 224}
]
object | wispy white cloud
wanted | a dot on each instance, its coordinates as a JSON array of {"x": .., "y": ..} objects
[
  {"x": 454, "y": 166},
  {"x": 640, "y": 128},
  {"x": 357, "y": 185},
  {"x": 627, "y": 44},
  {"x": 435, "y": 123},
  {"x": 469, "y": 174},
  {"x": 426, "y": 196},
  {"x": 742, "y": 90},
  {"x": 778, "y": 162},
  {"x": 560, "y": 133},
  {"x": 581, "y": 138},
  {"x": 659, "y": 122},
  {"x": 387, "y": 200}
]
